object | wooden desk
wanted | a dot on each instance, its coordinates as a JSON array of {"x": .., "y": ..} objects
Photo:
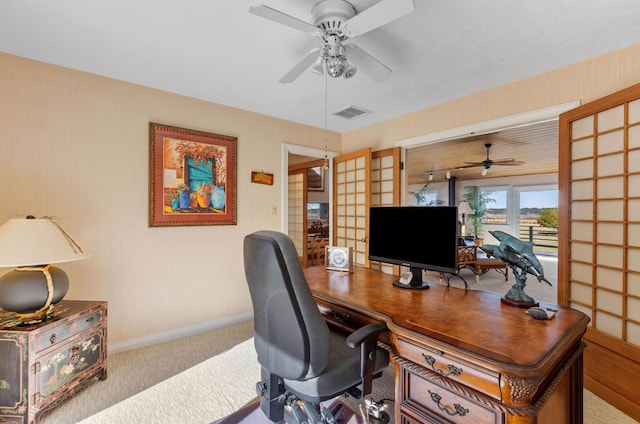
[{"x": 462, "y": 356}]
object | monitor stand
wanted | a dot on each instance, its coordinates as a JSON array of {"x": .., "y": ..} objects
[{"x": 412, "y": 280}]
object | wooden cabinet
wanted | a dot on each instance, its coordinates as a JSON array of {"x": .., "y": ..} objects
[
  {"x": 463, "y": 356},
  {"x": 42, "y": 362}
]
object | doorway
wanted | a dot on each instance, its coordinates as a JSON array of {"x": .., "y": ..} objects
[{"x": 296, "y": 196}]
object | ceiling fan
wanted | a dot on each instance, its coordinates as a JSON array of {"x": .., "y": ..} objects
[
  {"x": 488, "y": 163},
  {"x": 336, "y": 21}
]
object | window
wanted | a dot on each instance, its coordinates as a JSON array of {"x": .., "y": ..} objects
[
  {"x": 538, "y": 217},
  {"x": 496, "y": 205}
]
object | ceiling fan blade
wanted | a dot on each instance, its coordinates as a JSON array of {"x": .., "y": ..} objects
[
  {"x": 304, "y": 63},
  {"x": 368, "y": 64},
  {"x": 377, "y": 15},
  {"x": 475, "y": 163},
  {"x": 282, "y": 18},
  {"x": 516, "y": 162}
]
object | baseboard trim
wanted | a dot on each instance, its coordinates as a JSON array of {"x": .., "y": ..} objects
[{"x": 177, "y": 333}]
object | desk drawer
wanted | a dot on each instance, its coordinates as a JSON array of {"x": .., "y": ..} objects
[
  {"x": 437, "y": 404},
  {"x": 448, "y": 365}
]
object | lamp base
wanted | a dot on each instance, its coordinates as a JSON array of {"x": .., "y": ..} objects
[{"x": 30, "y": 292}]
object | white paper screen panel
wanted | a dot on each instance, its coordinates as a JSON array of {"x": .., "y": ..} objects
[
  {"x": 611, "y": 210},
  {"x": 609, "y": 278},
  {"x": 582, "y": 149},
  {"x": 581, "y": 128},
  {"x": 611, "y": 118},
  {"x": 296, "y": 211},
  {"x": 611, "y": 142},
  {"x": 634, "y": 112}
]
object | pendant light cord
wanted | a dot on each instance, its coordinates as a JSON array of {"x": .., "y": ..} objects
[{"x": 326, "y": 120}]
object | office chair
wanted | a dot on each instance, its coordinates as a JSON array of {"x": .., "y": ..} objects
[{"x": 303, "y": 361}]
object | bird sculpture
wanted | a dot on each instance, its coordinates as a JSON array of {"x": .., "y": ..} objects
[{"x": 522, "y": 261}]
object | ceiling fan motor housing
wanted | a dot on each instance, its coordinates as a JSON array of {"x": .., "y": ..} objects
[{"x": 330, "y": 15}]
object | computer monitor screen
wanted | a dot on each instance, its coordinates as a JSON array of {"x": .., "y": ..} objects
[{"x": 418, "y": 237}]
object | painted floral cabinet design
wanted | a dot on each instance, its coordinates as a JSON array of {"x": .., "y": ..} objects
[{"x": 43, "y": 362}]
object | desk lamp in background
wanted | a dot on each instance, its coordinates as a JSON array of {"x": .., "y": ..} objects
[
  {"x": 464, "y": 209},
  {"x": 31, "y": 245}
]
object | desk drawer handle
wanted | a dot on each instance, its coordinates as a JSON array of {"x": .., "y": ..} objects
[
  {"x": 340, "y": 317},
  {"x": 453, "y": 370},
  {"x": 458, "y": 409},
  {"x": 52, "y": 338}
]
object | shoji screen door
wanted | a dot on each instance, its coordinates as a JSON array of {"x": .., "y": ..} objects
[
  {"x": 599, "y": 255},
  {"x": 385, "y": 188},
  {"x": 352, "y": 197},
  {"x": 363, "y": 179},
  {"x": 297, "y": 219}
]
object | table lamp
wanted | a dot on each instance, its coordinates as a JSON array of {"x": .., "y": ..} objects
[
  {"x": 31, "y": 245},
  {"x": 464, "y": 209}
]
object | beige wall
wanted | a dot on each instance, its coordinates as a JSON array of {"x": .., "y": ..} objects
[
  {"x": 75, "y": 146},
  {"x": 584, "y": 81}
]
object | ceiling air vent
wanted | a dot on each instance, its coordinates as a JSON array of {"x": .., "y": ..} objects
[{"x": 351, "y": 112}]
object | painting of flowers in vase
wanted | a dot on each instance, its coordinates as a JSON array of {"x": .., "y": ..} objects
[{"x": 192, "y": 177}]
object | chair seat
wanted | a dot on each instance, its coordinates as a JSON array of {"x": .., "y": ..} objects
[{"x": 343, "y": 369}]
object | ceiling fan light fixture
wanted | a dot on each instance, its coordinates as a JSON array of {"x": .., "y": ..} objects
[
  {"x": 431, "y": 176},
  {"x": 484, "y": 171},
  {"x": 335, "y": 67},
  {"x": 349, "y": 69},
  {"x": 317, "y": 66},
  {"x": 448, "y": 175}
]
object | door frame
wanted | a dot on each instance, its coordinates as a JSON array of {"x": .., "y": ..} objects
[{"x": 311, "y": 152}]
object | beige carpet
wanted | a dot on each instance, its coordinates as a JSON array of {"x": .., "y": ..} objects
[{"x": 204, "y": 393}]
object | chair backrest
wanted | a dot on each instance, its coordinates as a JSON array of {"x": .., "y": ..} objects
[
  {"x": 467, "y": 255},
  {"x": 290, "y": 335}
]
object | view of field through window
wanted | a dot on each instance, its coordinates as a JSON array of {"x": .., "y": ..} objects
[{"x": 537, "y": 215}]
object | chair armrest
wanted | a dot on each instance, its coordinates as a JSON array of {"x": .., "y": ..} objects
[
  {"x": 367, "y": 338},
  {"x": 356, "y": 338}
]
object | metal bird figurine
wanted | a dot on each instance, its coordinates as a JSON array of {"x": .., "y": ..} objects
[{"x": 522, "y": 261}]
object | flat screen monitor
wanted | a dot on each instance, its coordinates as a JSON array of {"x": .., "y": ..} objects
[{"x": 418, "y": 237}]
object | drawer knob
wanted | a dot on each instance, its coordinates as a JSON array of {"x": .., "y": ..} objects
[
  {"x": 457, "y": 408},
  {"x": 90, "y": 319},
  {"x": 52, "y": 338},
  {"x": 453, "y": 370}
]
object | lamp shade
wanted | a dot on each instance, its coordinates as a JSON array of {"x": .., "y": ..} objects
[
  {"x": 464, "y": 208},
  {"x": 31, "y": 245},
  {"x": 36, "y": 241}
]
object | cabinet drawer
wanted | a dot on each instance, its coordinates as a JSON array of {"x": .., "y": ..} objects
[
  {"x": 67, "y": 328},
  {"x": 67, "y": 365},
  {"x": 448, "y": 365},
  {"x": 437, "y": 404}
]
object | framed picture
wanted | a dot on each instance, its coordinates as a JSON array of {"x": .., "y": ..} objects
[
  {"x": 315, "y": 178},
  {"x": 261, "y": 178},
  {"x": 192, "y": 177}
]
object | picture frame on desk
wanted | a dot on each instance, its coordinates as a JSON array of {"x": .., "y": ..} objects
[{"x": 339, "y": 258}]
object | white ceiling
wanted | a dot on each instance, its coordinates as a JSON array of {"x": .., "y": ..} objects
[{"x": 217, "y": 51}]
